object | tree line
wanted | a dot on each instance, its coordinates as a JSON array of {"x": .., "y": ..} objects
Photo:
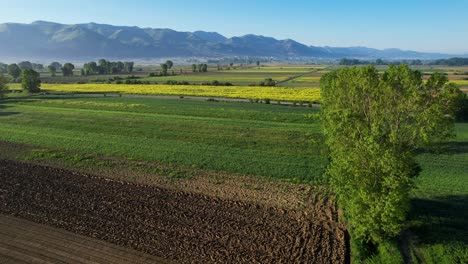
[
  {"x": 446, "y": 62},
  {"x": 351, "y": 62},
  {"x": 200, "y": 67},
  {"x": 15, "y": 69},
  {"x": 452, "y": 62},
  {"x": 23, "y": 65},
  {"x": 107, "y": 67}
]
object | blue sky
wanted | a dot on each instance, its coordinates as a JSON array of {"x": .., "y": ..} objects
[{"x": 436, "y": 26}]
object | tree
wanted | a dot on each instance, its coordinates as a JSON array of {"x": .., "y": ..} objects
[
  {"x": 118, "y": 67},
  {"x": 202, "y": 67},
  {"x": 169, "y": 64},
  {"x": 128, "y": 65},
  {"x": 3, "y": 68},
  {"x": 30, "y": 80},
  {"x": 56, "y": 65},
  {"x": 103, "y": 66},
  {"x": 379, "y": 62},
  {"x": 52, "y": 70},
  {"x": 37, "y": 66},
  {"x": 460, "y": 108},
  {"x": 164, "y": 68},
  {"x": 194, "y": 68},
  {"x": 14, "y": 70},
  {"x": 90, "y": 68},
  {"x": 373, "y": 124},
  {"x": 3, "y": 85},
  {"x": 258, "y": 63},
  {"x": 25, "y": 65},
  {"x": 67, "y": 69}
]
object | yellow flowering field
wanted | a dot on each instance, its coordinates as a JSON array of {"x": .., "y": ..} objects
[
  {"x": 460, "y": 82},
  {"x": 249, "y": 92}
]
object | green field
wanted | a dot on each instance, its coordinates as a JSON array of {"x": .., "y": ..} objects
[
  {"x": 276, "y": 141},
  {"x": 440, "y": 203}
]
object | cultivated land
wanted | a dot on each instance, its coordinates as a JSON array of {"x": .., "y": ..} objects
[
  {"x": 182, "y": 227},
  {"x": 262, "y": 156},
  {"x": 23, "y": 241}
]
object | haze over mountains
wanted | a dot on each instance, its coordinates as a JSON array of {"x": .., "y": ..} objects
[{"x": 45, "y": 40}]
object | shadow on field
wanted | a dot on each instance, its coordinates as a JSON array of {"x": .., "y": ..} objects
[
  {"x": 2, "y": 113},
  {"x": 446, "y": 148},
  {"x": 442, "y": 219}
]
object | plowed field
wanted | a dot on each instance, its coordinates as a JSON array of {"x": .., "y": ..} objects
[{"x": 178, "y": 226}]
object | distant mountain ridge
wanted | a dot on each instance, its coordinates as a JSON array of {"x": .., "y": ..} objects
[{"x": 42, "y": 39}]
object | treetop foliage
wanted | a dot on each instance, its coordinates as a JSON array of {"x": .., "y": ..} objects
[
  {"x": 30, "y": 80},
  {"x": 14, "y": 70},
  {"x": 107, "y": 67},
  {"x": 67, "y": 69},
  {"x": 452, "y": 62},
  {"x": 3, "y": 85},
  {"x": 373, "y": 123}
]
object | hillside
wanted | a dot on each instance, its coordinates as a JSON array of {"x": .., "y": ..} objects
[{"x": 41, "y": 40}]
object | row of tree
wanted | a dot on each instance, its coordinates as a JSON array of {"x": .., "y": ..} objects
[
  {"x": 199, "y": 67},
  {"x": 349, "y": 62},
  {"x": 14, "y": 70},
  {"x": 101, "y": 67},
  {"x": 452, "y": 62},
  {"x": 66, "y": 69},
  {"x": 30, "y": 81},
  {"x": 23, "y": 65},
  {"x": 166, "y": 66},
  {"x": 107, "y": 67}
]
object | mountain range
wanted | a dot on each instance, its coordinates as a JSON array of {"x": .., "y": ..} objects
[{"x": 45, "y": 40}]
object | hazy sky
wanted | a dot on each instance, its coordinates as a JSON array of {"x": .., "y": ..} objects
[{"x": 422, "y": 25}]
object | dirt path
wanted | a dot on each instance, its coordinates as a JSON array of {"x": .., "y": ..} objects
[
  {"x": 300, "y": 75},
  {"x": 182, "y": 227},
  {"x": 23, "y": 241}
]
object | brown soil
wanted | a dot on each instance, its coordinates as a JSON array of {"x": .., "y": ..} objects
[
  {"x": 179, "y": 226},
  {"x": 23, "y": 241},
  {"x": 241, "y": 188}
]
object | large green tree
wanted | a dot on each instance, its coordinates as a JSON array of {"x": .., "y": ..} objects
[
  {"x": 3, "y": 67},
  {"x": 67, "y": 69},
  {"x": 374, "y": 123},
  {"x": 14, "y": 70},
  {"x": 52, "y": 70},
  {"x": 164, "y": 68},
  {"x": 56, "y": 65},
  {"x": 3, "y": 85},
  {"x": 30, "y": 80},
  {"x": 128, "y": 66},
  {"x": 25, "y": 65}
]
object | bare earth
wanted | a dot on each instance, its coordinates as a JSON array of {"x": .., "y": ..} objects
[
  {"x": 179, "y": 226},
  {"x": 23, "y": 241}
]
